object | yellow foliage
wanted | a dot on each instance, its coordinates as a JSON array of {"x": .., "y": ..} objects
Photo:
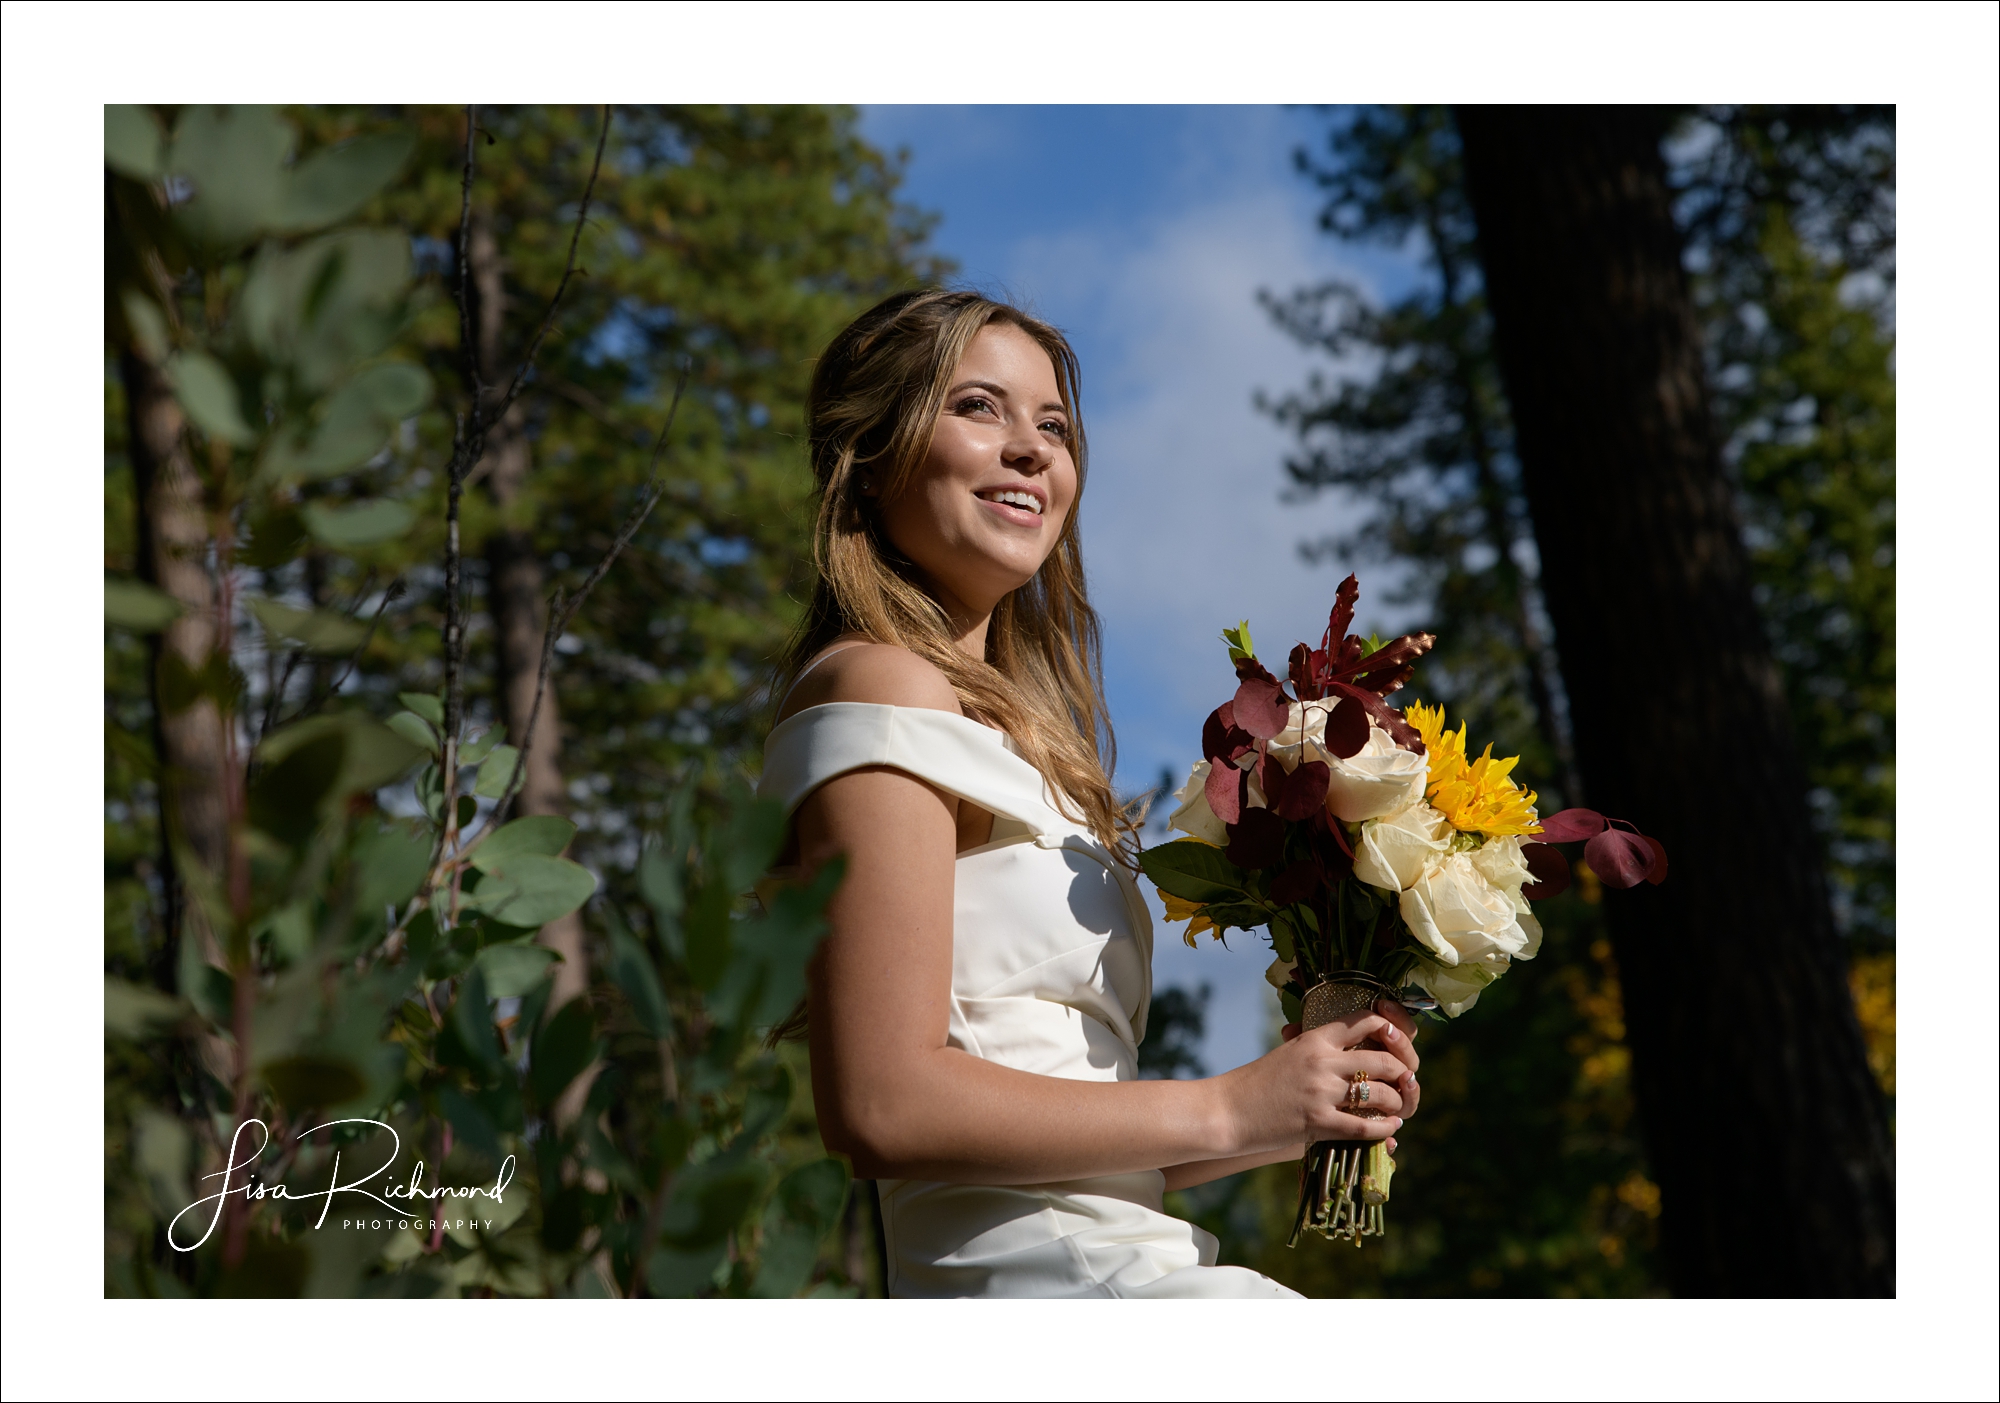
[{"x": 1873, "y": 980}]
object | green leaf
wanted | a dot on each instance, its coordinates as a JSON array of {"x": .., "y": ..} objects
[
  {"x": 132, "y": 141},
  {"x": 322, "y": 309},
  {"x": 148, "y": 324},
  {"x": 750, "y": 843},
  {"x": 707, "y": 933},
  {"x": 316, "y": 630},
  {"x": 332, "y": 185},
  {"x": 131, "y": 1010},
  {"x": 512, "y": 970},
  {"x": 561, "y": 1049},
  {"x": 798, "y": 1218},
  {"x": 138, "y": 606},
  {"x": 390, "y": 863},
  {"x": 425, "y": 705},
  {"x": 632, "y": 971},
  {"x": 530, "y": 889},
  {"x": 1194, "y": 871},
  {"x": 660, "y": 881},
  {"x": 477, "y": 749},
  {"x": 372, "y": 755},
  {"x": 210, "y": 397},
  {"x": 236, "y": 159},
  {"x": 495, "y": 772},
  {"x": 472, "y": 1025},
  {"x": 710, "y": 1200},
  {"x": 359, "y": 418},
  {"x": 542, "y": 834},
  {"x": 1238, "y": 641},
  {"x": 289, "y": 798},
  {"x": 312, "y": 1080},
  {"x": 673, "y": 1274},
  {"x": 364, "y": 523},
  {"x": 414, "y": 729}
]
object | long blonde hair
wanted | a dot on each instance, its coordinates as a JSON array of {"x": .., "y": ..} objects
[{"x": 872, "y": 409}]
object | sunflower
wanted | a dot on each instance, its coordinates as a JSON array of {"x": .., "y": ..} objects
[
  {"x": 1181, "y": 909},
  {"x": 1474, "y": 796}
]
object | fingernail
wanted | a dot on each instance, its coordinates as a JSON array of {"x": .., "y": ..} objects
[
  {"x": 1389, "y": 1033},
  {"x": 1409, "y": 1082}
]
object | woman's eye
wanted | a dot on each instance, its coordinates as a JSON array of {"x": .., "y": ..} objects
[
  {"x": 975, "y": 404},
  {"x": 1056, "y": 427}
]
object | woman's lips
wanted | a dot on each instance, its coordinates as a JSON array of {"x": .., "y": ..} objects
[{"x": 1019, "y": 506}]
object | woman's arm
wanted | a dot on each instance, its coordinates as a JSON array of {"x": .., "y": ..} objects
[{"x": 890, "y": 1092}]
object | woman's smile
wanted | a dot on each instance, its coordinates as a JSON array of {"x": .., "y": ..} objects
[{"x": 1021, "y": 505}]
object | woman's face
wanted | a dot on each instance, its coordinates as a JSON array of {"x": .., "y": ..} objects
[{"x": 989, "y": 502}]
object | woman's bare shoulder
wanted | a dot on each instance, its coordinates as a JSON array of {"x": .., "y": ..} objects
[{"x": 878, "y": 673}]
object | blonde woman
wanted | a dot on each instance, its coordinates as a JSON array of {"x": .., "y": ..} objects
[{"x": 975, "y": 1012}]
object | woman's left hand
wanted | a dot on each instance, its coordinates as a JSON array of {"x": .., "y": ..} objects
[{"x": 1404, "y": 1047}]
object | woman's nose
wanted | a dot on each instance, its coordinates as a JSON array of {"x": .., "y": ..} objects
[{"x": 1029, "y": 451}]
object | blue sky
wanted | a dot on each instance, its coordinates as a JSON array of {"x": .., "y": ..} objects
[{"x": 1145, "y": 233}]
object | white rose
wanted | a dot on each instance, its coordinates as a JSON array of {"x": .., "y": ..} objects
[
  {"x": 1458, "y": 916},
  {"x": 1304, "y": 736},
  {"x": 1394, "y": 852},
  {"x": 1458, "y": 988},
  {"x": 1194, "y": 816},
  {"x": 1380, "y": 779},
  {"x": 1280, "y": 972}
]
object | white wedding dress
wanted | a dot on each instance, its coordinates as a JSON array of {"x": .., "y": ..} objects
[{"x": 1051, "y": 973}]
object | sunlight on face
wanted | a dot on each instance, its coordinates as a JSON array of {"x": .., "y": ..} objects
[{"x": 989, "y": 502}]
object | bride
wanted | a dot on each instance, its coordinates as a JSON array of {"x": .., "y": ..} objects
[{"x": 975, "y": 1012}]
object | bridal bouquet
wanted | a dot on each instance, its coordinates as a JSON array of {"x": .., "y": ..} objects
[{"x": 1382, "y": 858}]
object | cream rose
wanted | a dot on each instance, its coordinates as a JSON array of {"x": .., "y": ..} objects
[
  {"x": 1194, "y": 816},
  {"x": 1380, "y": 779},
  {"x": 1279, "y": 972},
  {"x": 1457, "y": 989},
  {"x": 1394, "y": 852},
  {"x": 1459, "y": 916}
]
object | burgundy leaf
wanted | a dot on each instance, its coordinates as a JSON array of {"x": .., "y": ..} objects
[
  {"x": 1248, "y": 668},
  {"x": 1619, "y": 859},
  {"x": 1262, "y": 708},
  {"x": 1303, "y": 681},
  {"x": 1221, "y": 738},
  {"x": 1258, "y": 840},
  {"x": 1303, "y": 791},
  {"x": 1224, "y": 790},
  {"x": 1657, "y": 873},
  {"x": 1572, "y": 826},
  {"x": 1296, "y": 883},
  {"x": 1346, "y": 730},
  {"x": 1387, "y": 668},
  {"x": 1383, "y": 714},
  {"x": 1550, "y": 869},
  {"x": 1342, "y": 618}
]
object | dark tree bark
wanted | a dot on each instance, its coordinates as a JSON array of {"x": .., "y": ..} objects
[
  {"x": 1768, "y": 1135},
  {"x": 516, "y": 602},
  {"x": 173, "y": 541}
]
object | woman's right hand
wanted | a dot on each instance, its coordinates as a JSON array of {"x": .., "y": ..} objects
[{"x": 1301, "y": 1090}]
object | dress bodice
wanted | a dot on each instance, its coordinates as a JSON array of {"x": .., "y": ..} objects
[
  {"x": 1052, "y": 948},
  {"x": 1051, "y": 974}
]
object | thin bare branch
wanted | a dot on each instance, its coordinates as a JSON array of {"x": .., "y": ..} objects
[
  {"x": 569, "y": 271},
  {"x": 562, "y": 608}
]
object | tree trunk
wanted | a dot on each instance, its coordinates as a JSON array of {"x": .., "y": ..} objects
[
  {"x": 1768, "y": 1135},
  {"x": 173, "y": 541},
  {"x": 515, "y": 602}
]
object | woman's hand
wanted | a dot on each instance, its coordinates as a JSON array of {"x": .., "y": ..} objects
[{"x": 1303, "y": 1089}]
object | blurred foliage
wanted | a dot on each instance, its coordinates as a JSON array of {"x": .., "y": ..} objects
[
  {"x": 1790, "y": 220},
  {"x": 285, "y": 282}
]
